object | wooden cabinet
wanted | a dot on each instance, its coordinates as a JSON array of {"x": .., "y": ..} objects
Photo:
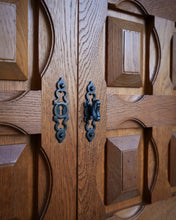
[{"x": 127, "y": 50}]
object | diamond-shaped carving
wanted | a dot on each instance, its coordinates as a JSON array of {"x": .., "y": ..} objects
[{"x": 122, "y": 168}]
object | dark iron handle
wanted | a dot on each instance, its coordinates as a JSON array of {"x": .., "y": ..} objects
[{"x": 91, "y": 112}]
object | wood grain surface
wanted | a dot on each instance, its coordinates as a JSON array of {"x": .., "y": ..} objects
[
  {"x": 160, "y": 8},
  {"x": 24, "y": 112},
  {"x": 160, "y": 117},
  {"x": 173, "y": 63},
  {"x": 18, "y": 180},
  {"x": 172, "y": 153},
  {"x": 60, "y": 157},
  {"x": 151, "y": 110},
  {"x": 92, "y": 15},
  {"x": 31, "y": 58},
  {"x": 122, "y": 168},
  {"x": 123, "y": 67}
]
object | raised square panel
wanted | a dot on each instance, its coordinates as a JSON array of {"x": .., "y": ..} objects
[
  {"x": 124, "y": 65},
  {"x": 14, "y": 40},
  {"x": 131, "y": 51},
  {"x": 122, "y": 171},
  {"x": 7, "y": 31},
  {"x": 9, "y": 154},
  {"x": 129, "y": 167}
]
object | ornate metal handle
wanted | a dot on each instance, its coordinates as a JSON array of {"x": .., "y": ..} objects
[
  {"x": 91, "y": 112},
  {"x": 60, "y": 110}
]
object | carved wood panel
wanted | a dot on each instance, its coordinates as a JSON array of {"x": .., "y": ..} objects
[
  {"x": 123, "y": 167},
  {"x": 133, "y": 49},
  {"x": 35, "y": 44},
  {"x": 14, "y": 40},
  {"x": 155, "y": 82},
  {"x": 124, "y": 68},
  {"x": 131, "y": 159}
]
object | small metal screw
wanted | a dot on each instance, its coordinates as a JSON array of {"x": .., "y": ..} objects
[
  {"x": 91, "y": 88},
  {"x": 91, "y": 134},
  {"x": 62, "y": 85},
  {"x": 61, "y": 135}
]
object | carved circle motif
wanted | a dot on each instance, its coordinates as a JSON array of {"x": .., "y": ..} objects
[
  {"x": 52, "y": 31},
  {"x": 50, "y": 183}
]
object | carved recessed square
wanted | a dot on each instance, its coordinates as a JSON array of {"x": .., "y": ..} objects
[
  {"x": 124, "y": 53},
  {"x": 14, "y": 40},
  {"x": 122, "y": 173}
]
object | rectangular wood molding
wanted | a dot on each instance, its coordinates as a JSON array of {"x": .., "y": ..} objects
[{"x": 150, "y": 110}]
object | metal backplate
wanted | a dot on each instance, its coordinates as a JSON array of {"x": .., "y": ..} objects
[
  {"x": 91, "y": 111},
  {"x": 60, "y": 110}
]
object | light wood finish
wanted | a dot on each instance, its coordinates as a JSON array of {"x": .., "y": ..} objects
[
  {"x": 23, "y": 113},
  {"x": 92, "y": 15},
  {"x": 60, "y": 157},
  {"x": 14, "y": 40}
]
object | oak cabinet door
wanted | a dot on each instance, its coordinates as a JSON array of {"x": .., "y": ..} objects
[
  {"x": 20, "y": 112},
  {"x": 127, "y": 51},
  {"x": 129, "y": 56},
  {"x": 37, "y": 173}
]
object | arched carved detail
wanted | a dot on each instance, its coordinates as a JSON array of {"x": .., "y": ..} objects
[
  {"x": 14, "y": 128},
  {"x": 49, "y": 184},
  {"x": 52, "y": 31}
]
